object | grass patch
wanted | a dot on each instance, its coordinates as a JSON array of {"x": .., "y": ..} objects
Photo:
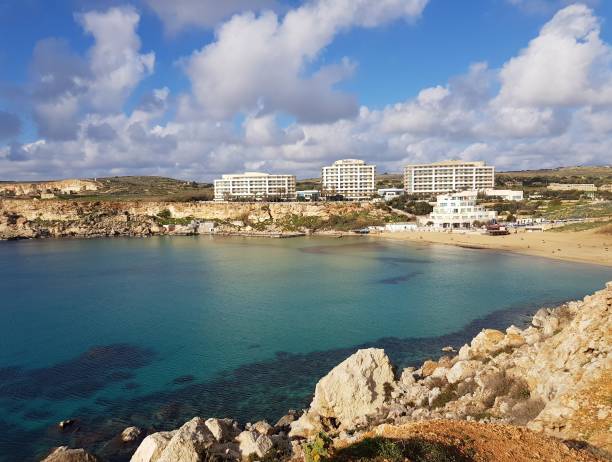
[
  {"x": 584, "y": 227},
  {"x": 386, "y": 450}
]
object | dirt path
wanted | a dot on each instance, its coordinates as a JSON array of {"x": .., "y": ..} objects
[{"x": 487, "y": 442}]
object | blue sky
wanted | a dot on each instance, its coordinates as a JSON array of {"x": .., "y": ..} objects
[{"x": 186, "y": 89}]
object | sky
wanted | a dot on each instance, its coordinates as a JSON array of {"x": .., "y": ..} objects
[{"x": 193, "y": 89}]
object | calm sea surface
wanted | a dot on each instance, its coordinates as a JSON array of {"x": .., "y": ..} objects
[{"x": 150, "y": 332}]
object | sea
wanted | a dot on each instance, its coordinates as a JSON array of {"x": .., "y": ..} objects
[{"x": 153, "y": 331}]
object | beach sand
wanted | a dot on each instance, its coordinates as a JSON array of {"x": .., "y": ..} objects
[{"x": 583, "y": 246}]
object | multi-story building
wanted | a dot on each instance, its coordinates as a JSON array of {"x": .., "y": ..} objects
[
  {"x": 448, "y": 176},
  {"x": 256, "y": 186},
  {"x": 572, "y": 187},
  {"x": 350, "y": 178},
  {"x": 459, "y": 210}
]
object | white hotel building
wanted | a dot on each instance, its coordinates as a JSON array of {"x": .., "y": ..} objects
[
  {"x": 447, "y": 176},
  {"x": 459, "y": 210},
  {"x": 254, "y": 185},
  {"x": 351, "y": 178}
]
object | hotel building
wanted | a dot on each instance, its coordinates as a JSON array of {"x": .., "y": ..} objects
[
  {"x": 350, "y": 178},
  {"x": 254, "y": 185},
  {"x": 459, "y": 210},
  {"x": 448, "y": 176}
]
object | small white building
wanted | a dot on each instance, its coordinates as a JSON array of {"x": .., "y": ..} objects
[
  {"x": 254, "y": 186},
  {"x": 459, "y": 211},
  {"x": 400, "y": 227},
  {"x": 390, "y": 193},
  {"x": 351, "y": 178},
  {"x": 309, "y": 194},
  {"x": 505, "y": 194}
]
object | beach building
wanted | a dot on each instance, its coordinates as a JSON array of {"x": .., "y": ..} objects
[
  {"x": 401, "y": 227},
  {"x": 390, "y": 193},
  {"x": 572, "y": 187},
  {"x": 448, "y": 176},
  {"x": 505, "y": 194},
  {"x": 256, "y": 186},
  {"x": 459, "y": 210},
  {"x": 308, "y": 195},
  {"x": 352, "y": 179},
  {"x": 605, "y": 187}
]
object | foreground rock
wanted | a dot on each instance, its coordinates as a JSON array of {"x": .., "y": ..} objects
[
  {"x": 354, "y": 390},
  {"x": 65, "y": 454}
]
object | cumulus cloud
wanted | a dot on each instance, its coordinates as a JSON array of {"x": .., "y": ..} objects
[
  {"x": 493, "y": 114},
  {"x": 179, "y": 14},
  {"x": 261, "y": 61},
  {"x": 567, "y": 64},
  {"x": 115, "y": 62},
  {"x": 64, "y": 86}
]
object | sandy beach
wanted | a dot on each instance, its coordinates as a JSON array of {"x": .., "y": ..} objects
[{"x": 583, "y": 246}]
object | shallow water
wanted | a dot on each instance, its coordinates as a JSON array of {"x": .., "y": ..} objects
[{"x": 150, "y": 332}]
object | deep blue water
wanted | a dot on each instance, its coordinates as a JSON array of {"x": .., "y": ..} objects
[{"x": 149, "y": 332}]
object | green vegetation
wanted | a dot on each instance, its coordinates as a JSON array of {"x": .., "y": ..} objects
[
  {"x": 165, "y": 218},
  {"x": 411, "y": 206},
  {"x": 558, "y": 210},
  {"x": 149, "y": 188},
  {"x": 346, "y": 222},
  {"x": 541, "y": 178},
  {"x": 581, "y": 226},
  {"x": 386, "y": 450},
  {"x": 318, "y": 450}
]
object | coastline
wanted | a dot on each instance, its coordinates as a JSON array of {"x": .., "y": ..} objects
[{"x": 580, "y": 247}]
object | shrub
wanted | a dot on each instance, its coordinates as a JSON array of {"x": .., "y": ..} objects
[
  {"x": 165, "y": 214},
  {"x": 317, "y": 450}
]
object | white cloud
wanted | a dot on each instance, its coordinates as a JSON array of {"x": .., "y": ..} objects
[
  {"x": 115, "y": 62},
  {"x": 262, "y": 61},
  {"x": 488, "y": 114},
  {"x": 566, "y": 65}
]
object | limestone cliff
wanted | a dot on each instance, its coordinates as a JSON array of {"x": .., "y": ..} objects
[{"x": 63, "y": 218}]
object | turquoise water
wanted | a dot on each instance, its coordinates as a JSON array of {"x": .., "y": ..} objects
[{"x": 116, "y": 332}]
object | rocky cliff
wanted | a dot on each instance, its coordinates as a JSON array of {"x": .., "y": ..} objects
[
  {"x": 538, "y": 393},
  {"x": 58, "y": 186},
  {"x": 65, "y": 218}
]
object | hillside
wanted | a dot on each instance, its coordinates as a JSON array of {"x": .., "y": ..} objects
[{"x": 597, "y": 175}]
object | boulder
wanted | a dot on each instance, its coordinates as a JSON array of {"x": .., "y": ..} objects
[
  {"x": 263, "y": 428},
  {"x": 65, "y": 454},
  {"x": 130, "y": 434},
  {"x": 284, "y": 423},
  {"x": 488, "y": 341},
  {"x": 189, "y": 443},
  {"x": 356, "y": 388},
  {"x": 152, "y": 446},
  {"x": 222, "y": 429},
  {"x": 309, "y": 424},
  {"x": 462, "y": 370},
  {"x": 253, "y": 443},
  {"x": 428, "y": 368}
]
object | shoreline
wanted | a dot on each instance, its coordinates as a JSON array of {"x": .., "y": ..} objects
[{"x": 578, "y": 247}]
